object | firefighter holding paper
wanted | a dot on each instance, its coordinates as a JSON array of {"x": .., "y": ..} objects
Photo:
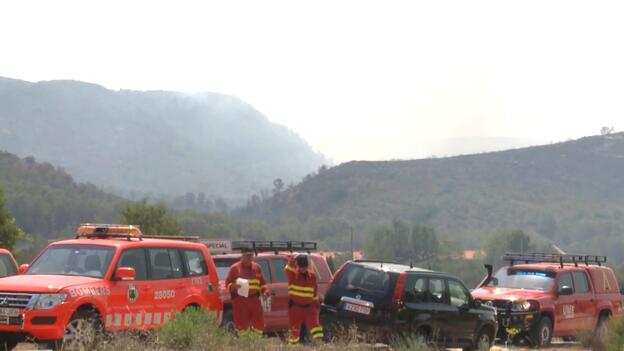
[
  {"x": 303, "y": 300},
  {"x": 247, "y": 310}
]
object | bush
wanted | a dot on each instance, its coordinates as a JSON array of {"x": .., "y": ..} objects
[{"x": 188, "y": 327}]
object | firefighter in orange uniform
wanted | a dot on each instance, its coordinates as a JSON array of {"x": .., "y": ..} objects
[
  {"x": 303, "y": 300},
  {"x": 247, "y": 311}
]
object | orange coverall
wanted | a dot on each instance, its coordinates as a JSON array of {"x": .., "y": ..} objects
[
  {"x": 303, "y": 304},
  {"x": 247, "y": 311}
]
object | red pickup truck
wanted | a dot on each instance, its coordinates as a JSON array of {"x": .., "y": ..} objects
[
  {"x": 272, "y": 256},
  {"x": 538, "y": 296}
]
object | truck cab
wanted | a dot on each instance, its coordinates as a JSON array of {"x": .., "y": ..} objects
[{"x": 540, "y": 296}]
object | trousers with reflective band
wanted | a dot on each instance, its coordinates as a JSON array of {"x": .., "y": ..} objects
[
  {"x": 247, "y": 314},
  {"x": 302, "y": 288},
  {"x": 308, "y": 316}
]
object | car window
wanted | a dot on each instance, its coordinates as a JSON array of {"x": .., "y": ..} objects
[
  {"x": 565, "y": 280},
  {"x": 266, "y": 271},
  {"x": 457, "y": 292},
  {"x": 160, "y": 263},
  {"x": 223, "y": 266},
  {"x": 195, "y": 263},
  {"x": 134, "y": 258},
  {"x": 415, "y": 290},
  {"x": 279, "y": 264},
  {"x": 7, "y": 267},
  {"x": 580, "y": 282},
  {"x": 437, "y": 290},
  {"x": 176, "y": 263},
  {"x": 83, "y": 260}
]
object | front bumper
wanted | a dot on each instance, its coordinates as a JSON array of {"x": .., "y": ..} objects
[
  {"x": 41, "y": 325},
  {"x": 514, "y": 322}
]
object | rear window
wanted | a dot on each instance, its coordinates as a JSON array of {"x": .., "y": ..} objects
[
  {"x": 223, "y": 266},
  {"x": 365, "y": 281}
]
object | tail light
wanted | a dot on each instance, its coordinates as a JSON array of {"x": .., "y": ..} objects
[{"x": 397, "y": 299}]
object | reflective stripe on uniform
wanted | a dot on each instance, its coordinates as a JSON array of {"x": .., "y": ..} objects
[
  {"x": 289, "y": 268},
  {"x": 300, "y": 294},
  {"x": 258, "y": 331},
  {"x": 300, "y": 288},
  {"x": 293, "y": 340},
  {"x": 317, "y": 332}
]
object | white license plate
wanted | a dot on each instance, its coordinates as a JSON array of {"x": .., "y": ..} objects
[
  {"x": 357, "y": 309},
  {"x": 9, "y": 312}
]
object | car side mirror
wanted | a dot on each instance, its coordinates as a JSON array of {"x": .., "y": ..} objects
[
  {"x": 565, "y": 290},
  {"x": 476, "y": 304},
  {"x": 125, "y": 273},
  {"x": 23, "y": 268}
]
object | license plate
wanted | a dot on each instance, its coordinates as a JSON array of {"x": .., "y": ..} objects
[
  {"x": 9, "y": 312},
  {"x": 357, "y": 309}
]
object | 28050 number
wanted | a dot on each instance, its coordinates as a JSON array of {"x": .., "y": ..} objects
[{"x": 164, "y": 294}]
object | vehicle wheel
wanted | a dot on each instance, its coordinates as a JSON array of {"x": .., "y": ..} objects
[
  {"x": 541, "y": 333},
  {"x": 484, "y": 340},
  {"x": 8, "y": 344},
  {"x": 227, "y": 322},
  {"x": 602, "y": 329},
  {"x": 82, "y": 331}
]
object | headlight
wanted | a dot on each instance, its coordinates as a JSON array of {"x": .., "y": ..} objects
[
  {"x": 48, "y": 301},
  {"x": 524, "y": 306}
]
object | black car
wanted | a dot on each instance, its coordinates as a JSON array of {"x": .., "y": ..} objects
[{"x": 387, "y": 300}]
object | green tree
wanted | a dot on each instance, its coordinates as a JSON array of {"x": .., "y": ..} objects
[
  {"x": 9, "y": 232},
  {"x": 153, "y": 219}
]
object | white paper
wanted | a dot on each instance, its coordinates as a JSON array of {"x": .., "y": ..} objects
[{"x": 244, "y": 287}]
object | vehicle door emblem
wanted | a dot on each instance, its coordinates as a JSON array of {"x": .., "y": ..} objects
[{"x": 133, "y": 293}]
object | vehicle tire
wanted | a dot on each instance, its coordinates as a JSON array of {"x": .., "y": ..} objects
[
  {"x": 541, "y": 333},
  {"x": 8, "y": 344},
  {"x": 485, "y": 339},
  {"x": 227, "y": 322},
  {"x": 602, "y": 329},
  {"x": 82, "y": 331}
]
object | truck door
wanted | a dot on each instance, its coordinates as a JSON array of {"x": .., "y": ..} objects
[
  {"x": 565, "y": 307},
  {"x": 585, "y": 312},
  {"x": 130, "y": 301},
  {"x": 279, "y": 293}
]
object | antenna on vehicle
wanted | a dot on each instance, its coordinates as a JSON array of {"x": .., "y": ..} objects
[
  {"x": 561, "y": 261},
  {"x": 411, "y": 264}
]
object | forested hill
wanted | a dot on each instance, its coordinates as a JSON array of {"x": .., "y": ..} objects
[
  {"x": 139, "y": 143},
  {"x": 46, "y": 201},
  {"x": 571, "y": 192}
]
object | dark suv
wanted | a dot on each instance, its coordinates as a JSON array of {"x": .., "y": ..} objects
[{"x": 387, "y": 300}]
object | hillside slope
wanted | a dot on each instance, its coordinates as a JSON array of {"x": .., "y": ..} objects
[
  {"x": 46, "y": 201},
  {"x": 571, "y": 192},
  {"x": 156, "y": 142}
]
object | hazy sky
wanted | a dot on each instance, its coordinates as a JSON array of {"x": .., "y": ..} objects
[{"x": 357, "y": 79}]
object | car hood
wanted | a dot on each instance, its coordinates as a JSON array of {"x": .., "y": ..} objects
[
  {"x": 40, "y": 283},
  {"x": 510, "y": 294}
]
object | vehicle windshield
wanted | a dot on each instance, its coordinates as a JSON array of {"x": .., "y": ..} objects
[
  {"x": 80, "y": 260},
  {"x": 223, "y": 266},
  {"x": 522, "y": 279}
]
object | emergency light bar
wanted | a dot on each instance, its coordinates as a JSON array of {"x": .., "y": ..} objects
[
  {"x": 89, "y": 230},
  {"x": 553, "y": 258}
]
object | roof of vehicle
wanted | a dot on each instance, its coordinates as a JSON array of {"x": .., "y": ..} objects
[
  {"x": 118, "y": 242},
  {"x": 391, "y": 266}
]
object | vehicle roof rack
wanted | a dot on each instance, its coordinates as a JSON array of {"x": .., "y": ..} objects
[
  {"x": 172, "y": 237},
  {"x": 274, "y": 246},
  {"x": 514, "y": 257}
]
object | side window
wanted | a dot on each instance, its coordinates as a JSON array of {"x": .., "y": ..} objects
[
  {"x": 437, "y": 290},
  {"x": 581, "y": 285},
  {"x": 176, "y": 263},
  {"x": 459, "y": 295},
  {"x": 195, "y": 263},
  {"x": 160, "y": 263},
  {"x": 279, "y": 264},
  {"x": 134, "y": 258},
  {"x": 7, "y": 267},
  {"x": 415, "y": 289},
  {"x": 266, "y": 271},
  {"x": 565, "y": 280}
]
